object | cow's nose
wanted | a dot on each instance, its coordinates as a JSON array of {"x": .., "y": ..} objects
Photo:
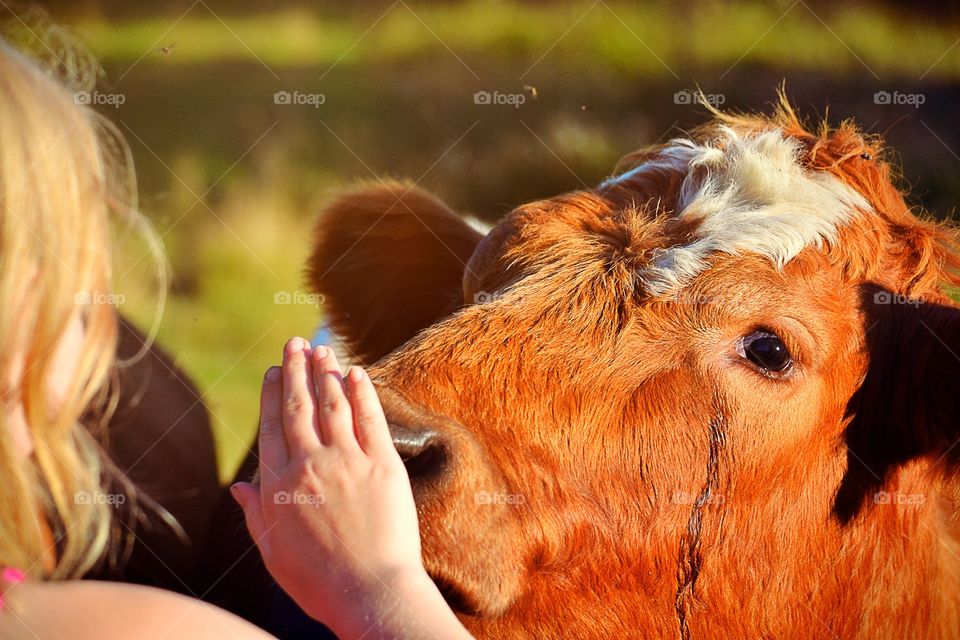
[{"x": 419, "y": 448}]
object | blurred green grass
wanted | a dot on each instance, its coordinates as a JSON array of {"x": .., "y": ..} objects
[
  {"x": 588, "y": 34},
  {"x": 226, "y": 327}
]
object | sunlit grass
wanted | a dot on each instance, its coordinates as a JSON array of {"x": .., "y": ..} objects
[
  {"x": 654, "y": 38},
  {"x": 225, "y": 329}
]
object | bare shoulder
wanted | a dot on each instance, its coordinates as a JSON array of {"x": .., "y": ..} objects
[{"x": 105, "y": 610}]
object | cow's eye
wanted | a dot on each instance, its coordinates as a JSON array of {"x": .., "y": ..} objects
[{"x": 767, "y": 351}]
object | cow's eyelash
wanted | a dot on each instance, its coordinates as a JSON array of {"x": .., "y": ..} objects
[{"x": 761, "y": 332}]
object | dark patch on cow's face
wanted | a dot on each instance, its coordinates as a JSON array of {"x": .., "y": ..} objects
[
  {"x": 690, "y": 560},
  {"x": 907, "y": 406}
]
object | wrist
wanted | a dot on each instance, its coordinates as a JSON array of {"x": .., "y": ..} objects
[
  {"x": 364, "y": 600},
  {"x": 402, "y": 578}
]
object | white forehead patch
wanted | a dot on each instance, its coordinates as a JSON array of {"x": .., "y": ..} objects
[{"x": 750, "y": 195}]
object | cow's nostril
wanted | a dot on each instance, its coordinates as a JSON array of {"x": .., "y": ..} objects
[
  {"x": 420, "y": 450},
  {"x": 410, "y": 442}
]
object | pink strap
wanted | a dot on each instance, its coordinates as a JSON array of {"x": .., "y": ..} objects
[{"x": 11, "y": 576}]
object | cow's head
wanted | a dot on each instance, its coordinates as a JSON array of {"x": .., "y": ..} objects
[{"x": 715, "y": 386}]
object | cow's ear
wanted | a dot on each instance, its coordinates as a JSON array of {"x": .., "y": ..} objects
[
  {"x": 908, "y": 406},
  {"x": 389, "y": 261}
]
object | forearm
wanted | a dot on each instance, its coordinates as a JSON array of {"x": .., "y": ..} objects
[{"x": 406, "y": 606}]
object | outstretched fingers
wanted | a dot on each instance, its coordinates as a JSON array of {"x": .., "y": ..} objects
[
  {"x": 299, "y": 399},
  {"x": 335, "y": 420},
  {"x": 272, "y": 441},
  {"x": 368, "y": 420}
]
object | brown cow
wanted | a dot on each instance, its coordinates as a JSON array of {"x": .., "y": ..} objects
[{"x": 711, "y": 398}]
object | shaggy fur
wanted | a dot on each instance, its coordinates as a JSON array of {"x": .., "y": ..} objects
[
  {"x": 606, "y": 463},
  {"x": 745, "y": 194}
]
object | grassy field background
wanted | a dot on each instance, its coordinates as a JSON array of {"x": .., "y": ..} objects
[{"x": 232, "y": 179}]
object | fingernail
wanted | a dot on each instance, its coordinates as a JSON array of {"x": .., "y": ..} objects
[
  {"x": 319, "y": 352},
  {"x": 355, "y": 374},
  {"x": 272, "y": 374},
  {"x": 293, "y": 346},
  {"x": 235, "y": 492}
]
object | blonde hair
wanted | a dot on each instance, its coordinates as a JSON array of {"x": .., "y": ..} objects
[{"x": 62, "y": 170}]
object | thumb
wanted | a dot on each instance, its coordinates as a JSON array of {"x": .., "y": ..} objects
[{"x": 248, "y": 497}]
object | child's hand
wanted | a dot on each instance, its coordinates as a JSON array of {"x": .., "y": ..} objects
[{"x": 334, "y": 516}]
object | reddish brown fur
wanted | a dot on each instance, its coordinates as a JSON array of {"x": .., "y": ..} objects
[
  {"x": 665, "y": 489},
  {"x": 426, "y": 246}
]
